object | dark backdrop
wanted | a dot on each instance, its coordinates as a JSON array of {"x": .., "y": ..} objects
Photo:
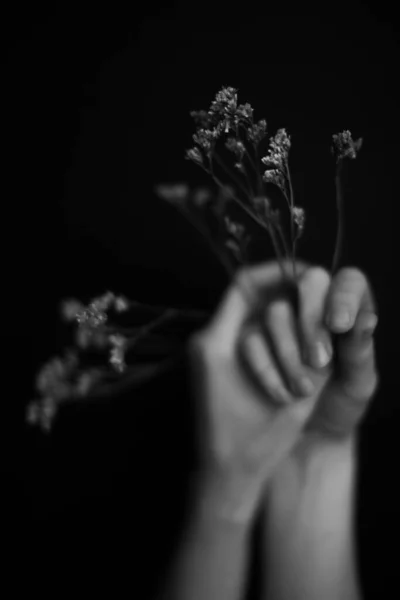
[{"x": 95, "y": 113}]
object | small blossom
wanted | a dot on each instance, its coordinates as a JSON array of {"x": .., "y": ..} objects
[
  {"x": 121, "y": 304},
  {"x": 235, "y": 229},
  {"x": 276, "y": 177},
  {"x": 262, "y": 206},
  {"x": 87, "y": 336},
  {"x": 206, "y": 138},
  {"x": 257, "y": 132},
  {"x": 344, "y": 146},
  {"x": 117, "y": 354},
  {"x": 195, "y": 155},
  {"x": 42, "y": 412},
  {"x": 85, "y": 382},
  {"x": 92, "y": 316},
  {"x": 69, "y": 308},
  {"x": 176, "y": 193},
  {"x": 203, "y": 118},
  {"x": 201, "y": 197},
  {"x": 299, "y": 216},
  {"x": 225, "y": 101},
  {"x": 33, "y": 413},
  {"x": 240, "y": 167},
  {"x": 279, "y": 150},
  {"x": 53, "y": 376},
  {"x": 236, "y": 146},
  {"x": 243, "y": 112},
  {"x": 103, "y": 303}
]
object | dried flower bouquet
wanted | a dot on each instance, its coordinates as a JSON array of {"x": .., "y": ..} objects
[{"x": 129, "y": 355}]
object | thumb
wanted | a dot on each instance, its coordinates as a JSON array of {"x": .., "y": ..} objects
[{"x": 355, "y": 357}]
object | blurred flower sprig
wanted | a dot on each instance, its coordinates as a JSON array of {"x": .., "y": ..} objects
[{"x": 106, "y": 356}]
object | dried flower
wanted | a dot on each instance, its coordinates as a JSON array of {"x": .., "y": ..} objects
[
  {"x": 276, "y": 177},
  {"x": 225, "y": 102},
  {"x": 237, "y": 241},
  {"x": 344, "y": 146},
  {"x": 69, "y": 308},
  {"x": 206, "y": 138},
  {"x": 121, "y": 304},
  {"x": 299, "y": 216},
  {"x": 201, "y": 197},
  {"x": 91, "y": 316},
  {"x": 195, "y": 155},
  {"x": 234, "y": 229},
  {"x": 243, "y": 113},
  {"x": 236, "y": 146},
  {"x": 203, "y": 118},
  {"x": 117, "y": 353},
  {"x": 175, "y": 193},
  {"x": 86, "y": 381},
  {"x": 257, "y": 132},
  {"x": 279, "y": 150}
]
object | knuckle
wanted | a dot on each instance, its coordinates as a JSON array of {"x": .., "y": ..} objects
[
  {"x": 349, "y": 273},
  {"x": 317, "y": 273},
  {"x": 278, "y": 309}
]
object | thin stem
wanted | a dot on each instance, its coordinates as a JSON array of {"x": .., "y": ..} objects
[
  {"x": 169, "y": 313},
  {"x": 292, "y": 232},
  {"x": 247, "y": 152},
  {"x": 284, "y": 242},
  {"x": 250, "y": 190},
  {"x": 259, "y": 178},
  {"x": 221, "y": 256},
  {"x": 231, "y": 174},
  {"x": 254, "y": 217},
  {"x": 340, "y": 230},
  {"x": 186, "y": 312}
]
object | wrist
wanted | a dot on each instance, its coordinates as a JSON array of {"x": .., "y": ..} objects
[
  {"x": 318, "y": 447},
  {"x": 229, "y": 500}
]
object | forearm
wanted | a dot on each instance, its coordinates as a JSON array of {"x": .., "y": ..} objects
[
  {"x": 308, "y": 526},
  {"x": 212, "y": 560}
]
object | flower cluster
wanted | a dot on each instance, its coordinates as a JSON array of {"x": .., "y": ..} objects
[
  {"x": 344, "y": 146},
  {"x": 226, "y": 117},
  {"x": 223, "y": 116},
  {"x": 67, "y": 378}
]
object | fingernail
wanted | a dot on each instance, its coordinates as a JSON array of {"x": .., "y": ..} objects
[
  {"x": 322, "y": 354},
  {"x": 340, "y": 320}
]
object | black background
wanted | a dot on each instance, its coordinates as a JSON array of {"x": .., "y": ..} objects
[{"x": 95, "y": 112}]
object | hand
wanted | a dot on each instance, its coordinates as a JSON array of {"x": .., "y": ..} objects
[
  {"x": 354, "y": 380},
  {"x": 247, "y": 369}
]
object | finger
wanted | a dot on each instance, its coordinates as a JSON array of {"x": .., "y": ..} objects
[
  {"x": 251, "y": 286},
  {"x": 281, "y": 325},
  {"x": 357, "y": 358},
  {"x": 260, "y": 366},
  {"x": 350, "y": 294},
  {"x": 315, "y": 338}
]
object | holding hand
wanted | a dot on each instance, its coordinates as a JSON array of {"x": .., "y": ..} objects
[{"x": 251, "y": 363}]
